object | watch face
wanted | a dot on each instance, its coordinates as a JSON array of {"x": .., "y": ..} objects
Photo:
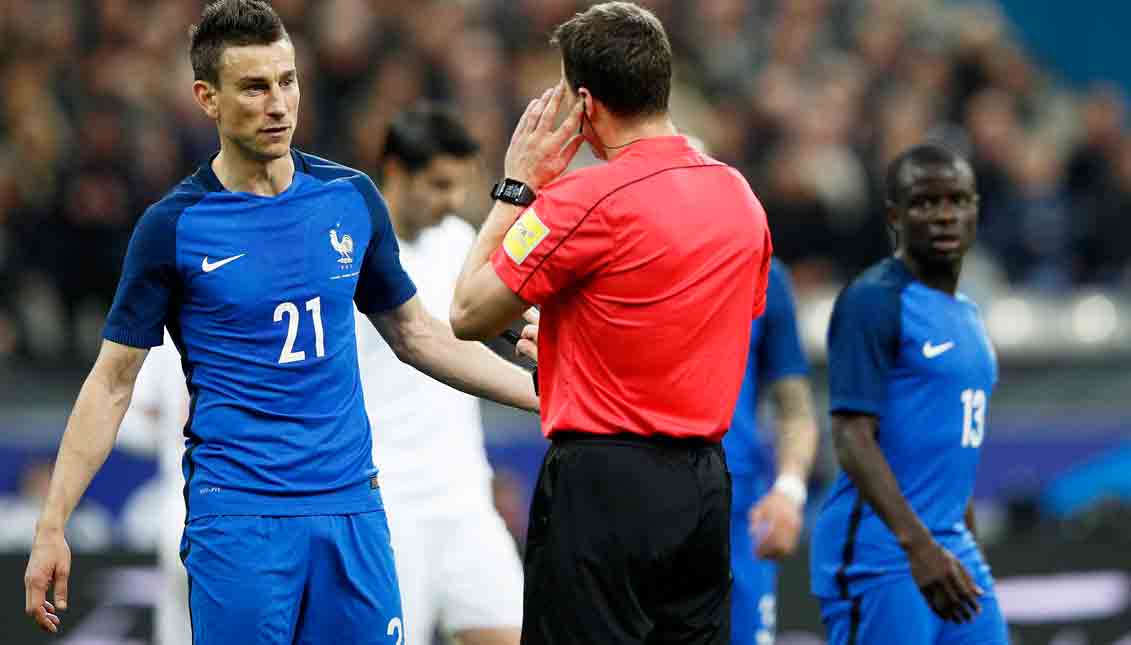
[{"x": 513, "y": 192}]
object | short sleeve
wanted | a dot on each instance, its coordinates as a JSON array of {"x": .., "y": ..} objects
[
  {"x": 779, "y": 352},
  {"x": 763, "y": 274},
  {"x": 149, "y": 277},
  {"x": 557, "y": 241},
  {"x": 383, "y": 283},
  {"x": 863, "y": 344}
]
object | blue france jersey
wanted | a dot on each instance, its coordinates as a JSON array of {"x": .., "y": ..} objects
[
  {"x": 775, "y": 353},
  {"x": 258, "y": 294},
  {"x": 919, "y": 360}
]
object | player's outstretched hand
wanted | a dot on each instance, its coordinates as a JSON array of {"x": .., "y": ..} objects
[
  {"x": 944, "y": 582},
  {"x": 49, "y": 565},
  {"x": 775, "y": 524},
  {"x": 538, "y": 152},
  {"x": 528, "y": 344}
]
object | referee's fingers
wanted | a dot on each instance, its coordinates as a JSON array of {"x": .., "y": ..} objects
[
  {"x": 540, "y": 121},
  {"x": 524, "y": 120},
  {"x": 553, "y": 103},
  {"x": 570, "y": 128},
  {"x": 527, "y": 348},
  {"x": 530, "y": 332},
  {"x": 532, "y": 315},
  {"x": 571, "y": 147}
]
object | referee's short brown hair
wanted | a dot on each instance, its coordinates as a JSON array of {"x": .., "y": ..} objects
[{"x": 621, "y": 54}]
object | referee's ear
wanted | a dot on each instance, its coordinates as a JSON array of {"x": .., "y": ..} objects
[{"x": 205, "y": 95}]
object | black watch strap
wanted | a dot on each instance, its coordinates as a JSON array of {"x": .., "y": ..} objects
[{"x": 514, "y": 192}]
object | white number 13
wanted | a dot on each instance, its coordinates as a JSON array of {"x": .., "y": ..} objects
[
  {"x": 973, "y": 418},
  {"x": 314, "y": 306}
]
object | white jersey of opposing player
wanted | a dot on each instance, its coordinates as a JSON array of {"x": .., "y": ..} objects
[
  {"x": 155, "y": 514},
  {"x": 427, "y": 437}
]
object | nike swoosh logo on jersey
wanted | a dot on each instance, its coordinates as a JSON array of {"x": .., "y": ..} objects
[
  {"x": 931, "y": 351},
  {"x": 212, "y": 266}
]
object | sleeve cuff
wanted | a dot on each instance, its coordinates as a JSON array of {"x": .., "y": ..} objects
[
  {"x": 797, "y": 370},
  {"x": 140, "y": 340},
  {"x": 862, "y": 406},
  {"x": 380, "y": 308}
]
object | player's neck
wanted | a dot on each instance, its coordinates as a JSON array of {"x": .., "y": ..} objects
[
  {"x": 238, "y": 173},
  {"x": 621, "y": 134},
  {"x": 941, "y": 277}
]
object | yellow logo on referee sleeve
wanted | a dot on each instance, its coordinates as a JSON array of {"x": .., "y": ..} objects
[{"x": 524, "y": 236}]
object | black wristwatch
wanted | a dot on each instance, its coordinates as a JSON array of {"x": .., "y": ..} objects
[{"x": 514, "y": 192}]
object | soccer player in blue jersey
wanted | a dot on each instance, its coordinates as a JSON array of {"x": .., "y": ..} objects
[
  {"x": 766, "y": 513},
  {"x": 254, "y": 264},
  {"x": 911, "y": 369}
]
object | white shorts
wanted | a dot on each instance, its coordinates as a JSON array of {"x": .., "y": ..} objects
[
  {"x": 456, "y": 571},
  {"x": 171, "y": 622}
]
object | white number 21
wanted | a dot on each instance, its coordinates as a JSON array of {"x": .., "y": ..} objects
[
  {"x": 396, "y": 628},
  {"x": 314, "y": 306},
  {"x": 973, "y": 418}
]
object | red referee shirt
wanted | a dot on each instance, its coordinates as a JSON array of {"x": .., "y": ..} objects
[{"x": 648, "y": 271}]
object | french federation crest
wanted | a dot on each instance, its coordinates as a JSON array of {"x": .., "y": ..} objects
[{"x": 343, "y": 246}]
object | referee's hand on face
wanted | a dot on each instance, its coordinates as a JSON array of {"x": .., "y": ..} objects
[
  {"x": 538, "y": 152},
  {"x": 775, "y": 524}
]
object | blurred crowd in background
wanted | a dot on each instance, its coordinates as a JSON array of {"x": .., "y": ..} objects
[{"x": 809, "y": 98}]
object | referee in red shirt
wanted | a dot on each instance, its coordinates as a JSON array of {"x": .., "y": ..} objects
[{"x": 647, "y": 271}]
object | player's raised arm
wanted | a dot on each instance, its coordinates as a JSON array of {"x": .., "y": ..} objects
[
  {"x": 483, "y": 305},
  {"x": 89, "y": 437},
  {"x": 426, "y": 343}
]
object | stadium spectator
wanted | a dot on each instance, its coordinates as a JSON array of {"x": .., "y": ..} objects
[{"x": 758, "y": 67}]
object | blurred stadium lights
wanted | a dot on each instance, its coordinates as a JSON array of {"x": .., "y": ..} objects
[
  {"x": 1024, "y": 326},
  {"x": 1094, "y": 319},
  {"x": 1010, "y": 322},
  {"x": 1064, "y": 597}
]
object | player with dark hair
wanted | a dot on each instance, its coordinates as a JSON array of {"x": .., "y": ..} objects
[
  {"x": 648, "y": 271},
  {"x": 457, "y": 564},
  {"x": 769, "y": 502},
  {"x": 254, "y": 263},
  {"x": 911, "y": 370}
]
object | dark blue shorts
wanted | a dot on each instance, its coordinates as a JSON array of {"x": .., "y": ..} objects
[
  {"x": 283, "y": 580},
  {"x": 895, "y": 612}
]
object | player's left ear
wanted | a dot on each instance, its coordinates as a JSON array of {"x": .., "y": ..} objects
[
  {"x": 891, "y": 217},
  {"x": 205, "y": 94}
]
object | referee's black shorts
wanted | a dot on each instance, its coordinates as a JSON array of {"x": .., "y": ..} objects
[{"x": 629, "y": 542}]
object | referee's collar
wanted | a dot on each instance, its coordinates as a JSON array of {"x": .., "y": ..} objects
[{"x": 675, "y": 143}]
